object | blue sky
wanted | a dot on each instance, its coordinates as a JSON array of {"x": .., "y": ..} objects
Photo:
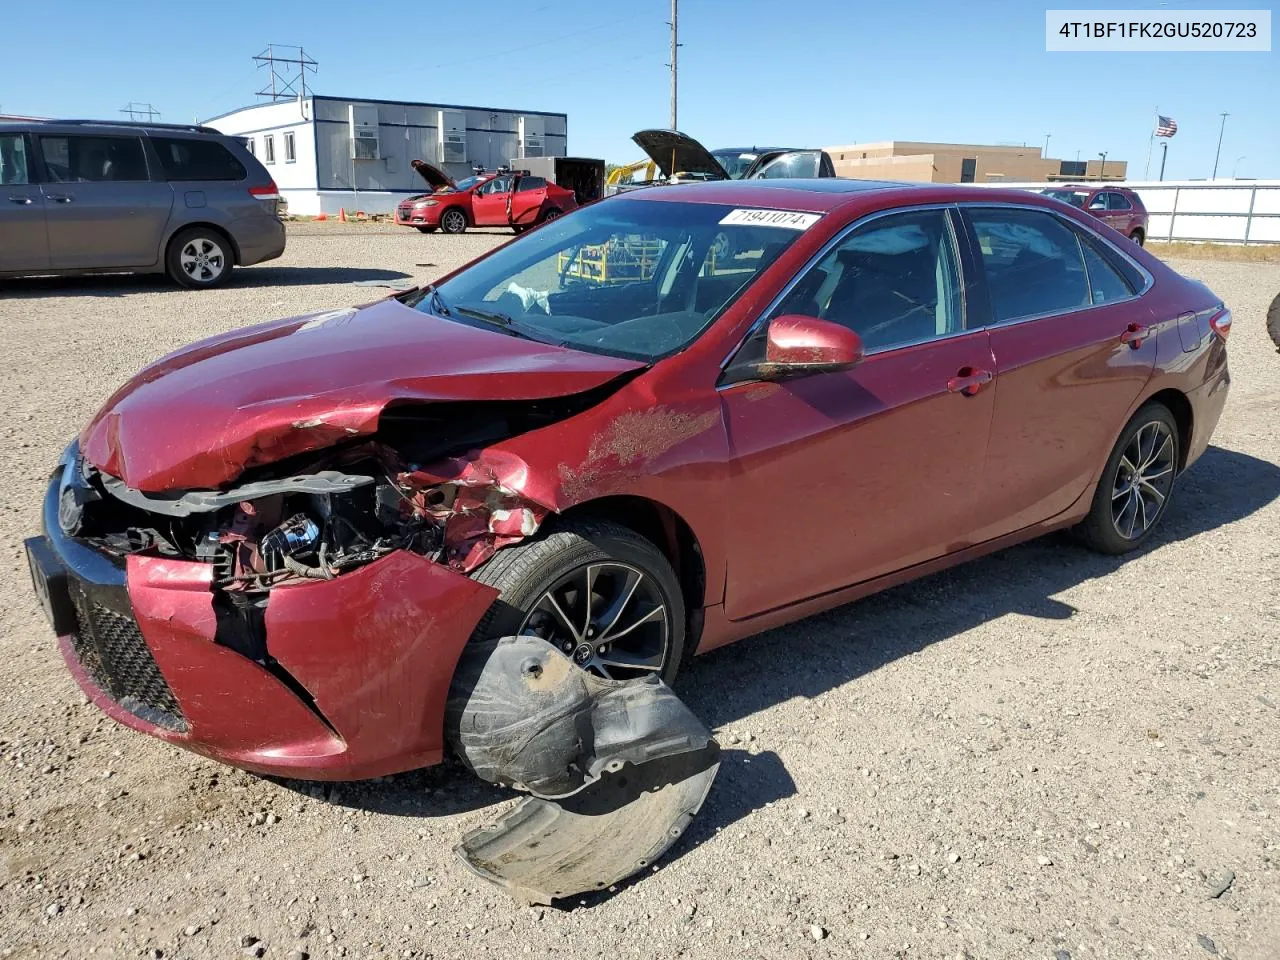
[{"x": 803, "y": 72}]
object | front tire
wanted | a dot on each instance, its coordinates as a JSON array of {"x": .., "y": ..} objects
[
  {"x": 600, "y": 592},
  {"x": 199, "y": 258},
  {"x": 1136, "y": 484},
  {"x": 453, "y": 220}
]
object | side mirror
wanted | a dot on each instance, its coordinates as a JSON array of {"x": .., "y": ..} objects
[{"x": 796, "y": 344}]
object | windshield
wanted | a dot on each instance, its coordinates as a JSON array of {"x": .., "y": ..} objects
[
  {"x": 461, "y": 185},
  {"x": 735, "y": 162},
  {"x": 1074, "y": 197},
  {"x": 625, "y": 277}
]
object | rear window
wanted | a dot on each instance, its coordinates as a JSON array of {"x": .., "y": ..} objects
[{"x": 189, "y": 159}]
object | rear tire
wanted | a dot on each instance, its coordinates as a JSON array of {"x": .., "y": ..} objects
[
  {"x": 426, "y": 229},
  {"x": 524, "y": 574},
  {"x": 550, "y": 213},
  {"x": 199, "y": 258},
  {"x": 1137, "y": 237},
  {"x": 453, "y": 220},
  {"x": 1136, "y": 485}
]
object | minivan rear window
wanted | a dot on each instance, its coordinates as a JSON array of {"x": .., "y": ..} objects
[{"x": 191, "y": 159}]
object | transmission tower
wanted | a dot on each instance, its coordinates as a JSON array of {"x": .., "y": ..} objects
[
  {"x": 288, "y": 71},
  {"x": 140, "y": 111}
]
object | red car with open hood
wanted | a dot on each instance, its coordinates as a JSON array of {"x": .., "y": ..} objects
[
  {"x": 506, "y": 198},
  {"x": 666, "y": 421}
]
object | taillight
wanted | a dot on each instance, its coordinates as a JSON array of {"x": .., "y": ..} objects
[
  {"x": 269, "y": 195},
  {"x": 1220, "y": 323}
]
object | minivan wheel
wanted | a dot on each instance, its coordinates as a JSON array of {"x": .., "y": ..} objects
[
  {"x": 453, "y": 220},
  {"x": 199, "y": 258},
  {"x": 1136, "y": 484},
  {"x": 601, "y": 593},
  {"x": 1136, "y": 237}
]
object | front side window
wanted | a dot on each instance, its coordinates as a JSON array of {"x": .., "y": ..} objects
[
  {"x": 14, "y": 170},
  {"x": 1032, "y": 263},
  {"x": 496, "y": 185},
  {"x": 893, "y": 281},
  {"x": 290, "y": 148},
  {"x": 1074, "y": 197},
  {"x": 93, "y": 159},
  {"x": 631, "y": 278},
  {"x": 800, "y": 163},
  {"x": 269, "y": 149},
  {"x": 1118, "y": 201},
  {"x": 193, "y": 159}
]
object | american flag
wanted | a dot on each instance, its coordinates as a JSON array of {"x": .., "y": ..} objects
[{"x": 1165, "y": 127}]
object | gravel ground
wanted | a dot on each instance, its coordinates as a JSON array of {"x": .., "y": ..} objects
[{"x": 1044, "y": 754}]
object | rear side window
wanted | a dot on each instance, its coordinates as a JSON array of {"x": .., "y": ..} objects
[
  {"x": 14, "y": 171},
  {"x": 1032, "y": 263},
  {"x": 531, "y": 183},
  {"x": 93, "y": 159},
  {"x": 1106, "y": 283},
  {"x": 189, "y": 159}
]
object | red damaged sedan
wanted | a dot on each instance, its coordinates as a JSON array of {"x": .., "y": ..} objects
[
  {"x": 504, "y": 199},
  {"x": 666, "y": 421}
]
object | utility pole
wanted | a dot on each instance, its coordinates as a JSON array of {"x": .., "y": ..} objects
[
  {"x": 1219, "y": 153},
  {"x": 675, "y": 44},
  {"x": 288, "y": 73}
]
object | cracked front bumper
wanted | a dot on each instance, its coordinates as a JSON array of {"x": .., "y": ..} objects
[{"x": 361, "y": 672}]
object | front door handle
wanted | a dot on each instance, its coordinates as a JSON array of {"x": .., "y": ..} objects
[
  {"x": 1135, "y": 334},
  {"x": 22, "y": 200},
  {"x": 969, "y": 381}
]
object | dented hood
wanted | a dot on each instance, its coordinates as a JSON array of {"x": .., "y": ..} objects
[{"x": 201, "y": 416}]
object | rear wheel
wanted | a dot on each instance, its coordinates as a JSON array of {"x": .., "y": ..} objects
[
  {"x": 426, "y": 229},
  {"x": 598, "y": 591},
  {"x": 1136, "y": 484},
  {"x": 1137, "y": 237},
  {"x": 199, "y": 258},
  {"x": 550, "y": 213},
  {"x": 453, "y": 220}
]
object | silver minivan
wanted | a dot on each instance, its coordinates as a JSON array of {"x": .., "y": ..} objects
[{"x": 89, "y": 196}]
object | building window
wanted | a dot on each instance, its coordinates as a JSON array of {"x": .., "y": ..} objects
[
  {"x": 248, "y": 145},
  {"x": 290, "y": 153},
  {"x": 269, "y": 149},
  {"x": 968, "y": 169},
  {"x": 1074, "y": 168}
]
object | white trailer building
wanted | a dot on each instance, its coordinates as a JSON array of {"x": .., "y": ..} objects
[{"x": 327, "y": 153}]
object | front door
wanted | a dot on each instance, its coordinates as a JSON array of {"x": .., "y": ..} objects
[
  {"x": 843, "y": 477},
  {"x": 1073, "y": 351},
  {"x": 489, "y": 202},
  {"x": 103, "y": 209},
  {"x": 24, "y": 238}
]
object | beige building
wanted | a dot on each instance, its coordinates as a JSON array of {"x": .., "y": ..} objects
[{"x": 963, "y": 163}]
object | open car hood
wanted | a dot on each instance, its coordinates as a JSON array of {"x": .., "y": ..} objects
[
  {"x": 436, "y": 178},
  {"x": 201, "y": 416},
  {"x": 676, "y": 153}
]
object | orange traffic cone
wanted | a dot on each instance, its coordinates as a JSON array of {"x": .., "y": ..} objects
[
  {"x": 342, "y": 214},
  {"x": 322, "y": 216}
]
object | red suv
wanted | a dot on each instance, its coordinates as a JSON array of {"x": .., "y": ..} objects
[
  {"x": 503, "y": 199},
  {"x": 1118, "y": 207}
]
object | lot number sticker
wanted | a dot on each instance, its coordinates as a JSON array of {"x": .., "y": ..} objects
[{"x": 771, "y": 218}]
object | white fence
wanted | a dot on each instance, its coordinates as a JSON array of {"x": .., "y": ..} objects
[{"x": 1227, "y": 211}]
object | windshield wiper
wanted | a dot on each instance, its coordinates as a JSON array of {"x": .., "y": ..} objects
[{"x": 489, "y": 316}]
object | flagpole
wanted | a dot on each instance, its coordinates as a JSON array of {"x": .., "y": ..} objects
[{"x": 1151, "y": 139}]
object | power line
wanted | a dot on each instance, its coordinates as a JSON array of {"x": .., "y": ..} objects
[{"x": 140, "y": 111}]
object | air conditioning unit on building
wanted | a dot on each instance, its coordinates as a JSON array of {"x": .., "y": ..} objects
[
  {"x": 452, "y": 127},
  {"x": 532, "y": 132},
  {"x": 363, "y": 121}
]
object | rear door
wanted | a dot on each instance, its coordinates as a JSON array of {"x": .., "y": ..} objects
[
  {"x": 103, "y": 208},
  {"x": 24, "y": 237},
  {"x": 527, "y": 199},
  {"x": 1074, "y": 346},
  {"x": 1121, "y": 212},
  {"x": 489, "y": 202}
]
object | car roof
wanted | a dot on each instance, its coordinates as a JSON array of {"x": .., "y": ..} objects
[
  {"x": 105, "y": 126},
  {"x": 1090, "y": 187}
]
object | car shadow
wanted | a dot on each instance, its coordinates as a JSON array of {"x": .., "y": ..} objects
[
  {"x": 817, "y": 654},
  {"x": 125, "y": 284}
]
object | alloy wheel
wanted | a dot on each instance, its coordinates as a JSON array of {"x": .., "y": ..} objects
[
  {"x": 1144, "y": 478},
  {"x": 609, "y": 617},
  {"x": 453, "y": 221},
  {"x": 202, "y": 259}
]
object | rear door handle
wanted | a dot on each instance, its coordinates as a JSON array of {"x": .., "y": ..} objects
[
  {"x": 59, "y": 197},
  {"x": 969, "y": 381},
  {"x": 1135, "y": 334},
  {"x": 23, "y": 200}
]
